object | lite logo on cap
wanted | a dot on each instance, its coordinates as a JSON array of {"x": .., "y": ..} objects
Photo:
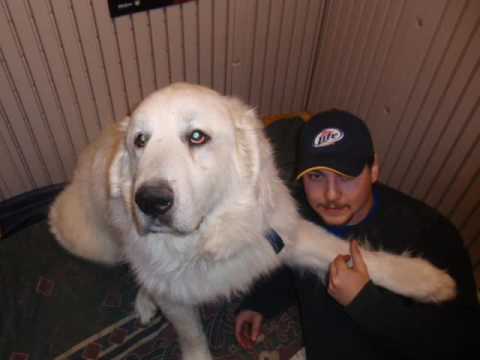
[{"x": 327, "y": 137}]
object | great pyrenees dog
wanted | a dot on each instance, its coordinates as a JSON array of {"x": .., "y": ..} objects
[{"x": 186, "y": 191}]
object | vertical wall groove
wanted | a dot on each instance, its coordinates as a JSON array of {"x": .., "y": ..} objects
[
  {"x": 373, "y": 56},
  {"x": 384, "y": 63}
]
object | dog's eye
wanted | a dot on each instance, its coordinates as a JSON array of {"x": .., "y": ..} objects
[
  {"x": 141, "y": 140},
  {"x": 198, "y": 137}
]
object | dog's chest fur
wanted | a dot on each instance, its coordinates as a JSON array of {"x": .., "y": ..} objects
[{"x": 177, "y": 268}]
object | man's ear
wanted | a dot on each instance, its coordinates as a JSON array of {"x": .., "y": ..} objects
[
  {"x": 118, "y": 172},
  {"x": 375, "y": 170}
]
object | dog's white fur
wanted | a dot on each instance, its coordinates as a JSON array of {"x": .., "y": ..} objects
[{"x": 227, "y": 195}]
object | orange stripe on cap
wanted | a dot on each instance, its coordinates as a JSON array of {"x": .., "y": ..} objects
[{"x": 320, "y": 168}]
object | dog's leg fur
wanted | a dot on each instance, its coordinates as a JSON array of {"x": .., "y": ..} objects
[
  {"x": 145, "y": 306},
  {"x": 412, "y": 277},
  {"x": 188, "y": 325}
]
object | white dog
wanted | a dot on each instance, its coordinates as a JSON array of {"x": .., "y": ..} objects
[{"x": 187, "y": 192}]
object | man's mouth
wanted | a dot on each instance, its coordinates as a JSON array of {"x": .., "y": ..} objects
[{"x": 334, "y": 209}]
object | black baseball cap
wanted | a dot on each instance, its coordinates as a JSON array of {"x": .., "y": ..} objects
[{"x": 336, "y": 141}]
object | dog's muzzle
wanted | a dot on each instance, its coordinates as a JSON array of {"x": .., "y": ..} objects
[{"x": 155, "y": 200}]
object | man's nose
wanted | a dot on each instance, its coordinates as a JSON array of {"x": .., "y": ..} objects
[{"x": 333, "y": 191}]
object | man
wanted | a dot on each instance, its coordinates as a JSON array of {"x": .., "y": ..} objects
[{"x": 350, "y": 317}]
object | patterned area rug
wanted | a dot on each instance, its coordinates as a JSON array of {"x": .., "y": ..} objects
[{"x": 55, "y": 306}]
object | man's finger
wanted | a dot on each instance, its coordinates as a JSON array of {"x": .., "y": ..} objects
[
  {"x": 357, "y": 258},
  {"x": 341, "y": 262},
  {"x": 256, "y": 328}
]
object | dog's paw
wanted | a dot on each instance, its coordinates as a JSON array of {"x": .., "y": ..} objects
[
  {"x": 441, "y": 288},
  {"x": 145, "y": 307}
]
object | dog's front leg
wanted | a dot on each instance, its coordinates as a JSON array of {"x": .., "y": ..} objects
[
  {"x": 409, "y": 276},
  {"x": 186, "y": 321},
  {"x": 313, "y": 247}
]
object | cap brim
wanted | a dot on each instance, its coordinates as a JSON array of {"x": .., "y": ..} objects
[{"x": 322, "y": 168}]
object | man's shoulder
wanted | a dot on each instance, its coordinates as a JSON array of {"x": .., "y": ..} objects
[{"x": 399, "y": 204}]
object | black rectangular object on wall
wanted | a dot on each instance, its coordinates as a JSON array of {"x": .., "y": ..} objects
[{"x": 125, "y": 7}]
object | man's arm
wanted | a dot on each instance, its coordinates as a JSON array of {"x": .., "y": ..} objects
[{"x": 421, "y": 330}]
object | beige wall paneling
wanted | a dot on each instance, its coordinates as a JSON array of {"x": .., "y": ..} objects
[
  {"x": 20, "y": 99},
  {"x": 455, "y": 149},
  {"x": 377, "y": 27},
  {"x": 109, "y": 50},
  {"x": 311, "y": 28},
  {"x": 378, "y": 30},
  {"x": 285, "y": 41},
  {"x": 460, "y": 94},
  {"x": 144, "y": 52},
  {"x": 17, "y": 174},
  {"x": 326, "y": 47},
  {"x": 205, "y": 51},
  {"x": 282, "y": 56},
  {"x": 373, "y": 17},
  {"x": 66, "y": 113},
  {"x": 414, "y": 33},
  {"x": 160, "y": 47},
  {"x": 382, "y": 50},
  {"x": 259, "y": 52},
  {"x": 230, "y": 46},
  {"x": 220, "y": 21},
  {"x": 398, "y": 151},
  {"x": 353, "y": 14},
  {"x": 293, "y": 82},
  {"x": 71, "y": 44},
  {"x": 243, "y": 31},
  {"x": 272, "y": 45},
  {"x": 38, "y": 95},
  {"x": 14, "y": 177},
  {"x": 190, "y": 39},
  {"x": 439, "y": 93},
  {"x": 346, "y": 17},
  {"x": 175, "y": 43},
  {"x": 91, "y": 50},
  {"x": 128, "y": 60}
]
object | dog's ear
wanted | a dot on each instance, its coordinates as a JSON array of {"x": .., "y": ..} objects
[
  {"x": 119, "y": 162},
  {"x": 247, "y": 128},
  {"x": 254, "y": 153}
]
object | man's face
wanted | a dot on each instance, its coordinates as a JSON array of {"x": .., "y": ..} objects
[{"x": 340, "y": 200}]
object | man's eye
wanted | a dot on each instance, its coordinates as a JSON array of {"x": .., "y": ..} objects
[
  {"x": 316, "y": 176},
  {"x": 198, "y": 137},
  {"x": 141, "y": 140}
]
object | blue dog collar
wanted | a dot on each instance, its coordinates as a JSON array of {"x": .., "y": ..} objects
[{"x": 275, "y": 240}]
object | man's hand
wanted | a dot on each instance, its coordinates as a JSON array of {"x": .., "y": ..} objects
[
  {"x": 346, "y": 282},
  {"x": 248, "y": 327}
]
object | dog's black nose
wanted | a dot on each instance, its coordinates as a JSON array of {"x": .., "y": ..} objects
[{"x": 154, "y": 200}]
